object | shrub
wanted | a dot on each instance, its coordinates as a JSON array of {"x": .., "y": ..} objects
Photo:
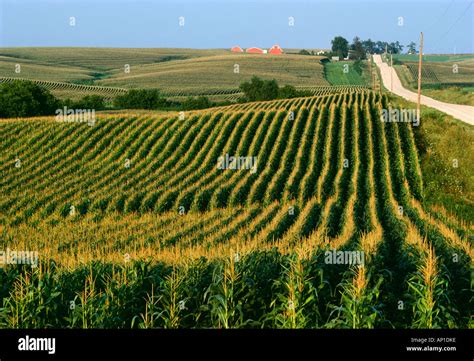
[
  {"x": 192, "y": 103},
  {"x": 258, "y": 89},
  {"x": 141, "y": 99},
  {"x": 25, "y": 99}
]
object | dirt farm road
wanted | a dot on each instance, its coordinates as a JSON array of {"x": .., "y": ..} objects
[{"x": 461, "y": 112}]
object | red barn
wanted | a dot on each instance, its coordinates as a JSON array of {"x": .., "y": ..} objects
[
  {"x": 275, "y": 49},
  {"x": 255, "y": 51},
  {"x": 237, "y": 49}
]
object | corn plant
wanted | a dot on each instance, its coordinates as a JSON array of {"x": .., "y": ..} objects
[
  {"x": 359, "y": 307},
  {"x": 223, "y": 295},
  {"x": 428, "y": 289},
  {"x": 149, "y": 318},
  {"x": 296, "y": 297}
]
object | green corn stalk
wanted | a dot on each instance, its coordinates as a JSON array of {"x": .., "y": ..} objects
[
  {"x": 170, "y": 301},
  {"x": 296, "y": 299},
  {"x": 428, "y": 288},
  {"x": 149, "y": 318},
  {"x": 223, "y": 296},
  {"x": 359, "y": 307}
]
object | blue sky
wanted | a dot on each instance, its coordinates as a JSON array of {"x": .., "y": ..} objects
[{"x": 448, "y": 24}]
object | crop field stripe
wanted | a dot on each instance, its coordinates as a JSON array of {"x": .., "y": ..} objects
[
  {"x": 40, "y": 136},
  {"x": 132, "y": 144},
  {"x": 278, "y": 225},
  {"x": 209, "y": 171},
  {"x": 162, "y": 151},
  {"x": 330, "y": 150},
  {"x": 227, "y": 231},
  {"x": 202, "y": 188},
  {"x": 206, "y": 195},
  {"x": 294, "y": 179},
  {"x": 209, "y": 160},
  {"x": 277, "y": 183},
  {"x": 199, "y": 149},
  {"x": 29, "y": 149},
  {"x": 99, "y": 155},
  {"x": 11, "y": 132},
  {"x": 102, "y": 173},
  {"x": 149, "y": 163},
  {"x": 341, "y": 217},
  {"x": 394, "y": 229},
  {"x": 242, "y": 189},
  {"x": 257, "y": 192},
  {"x": 412, "y": 167},
  {"x": 336, "y": 167},
  {"x": 193, "y": 147},
  {"x": 221, "y": 196},
  {"x": 81, "y": 143},
  {"x": 309, "y": 180},
  {"x": 167, "y": 136},
  {"x": 69, "y": 180},
  {"x": 205, "y": 228}
]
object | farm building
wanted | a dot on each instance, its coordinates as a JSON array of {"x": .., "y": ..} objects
[
  {"x": 255, "y": 51},
  {"x": 237, "y": 49},
  {"x": 275, "y": 49}
]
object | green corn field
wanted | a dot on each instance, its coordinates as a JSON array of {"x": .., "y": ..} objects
[{"x": 136, "y": 226}]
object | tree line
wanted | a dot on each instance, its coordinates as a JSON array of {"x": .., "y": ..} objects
[
  {"x": 359, "y": 48},
  {"x": 22, "y": 98}
]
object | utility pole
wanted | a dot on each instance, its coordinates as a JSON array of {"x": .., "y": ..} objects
[
  {"x": 391, "y": 72},
  {"x": 418, "y": 109}
]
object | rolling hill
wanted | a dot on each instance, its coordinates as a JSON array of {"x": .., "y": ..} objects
[{"x": 143, "y": 201}]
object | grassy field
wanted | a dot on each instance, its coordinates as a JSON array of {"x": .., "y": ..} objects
[
  {"x": 448, "y": 178},
  {"x": 335, "y": 75},
  {"x": 432, "y": 57},
  {"x": 137, "y": 226},
  {"x": 455, "y": 95}
]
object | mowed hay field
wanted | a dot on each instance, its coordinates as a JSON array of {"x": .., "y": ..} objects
[
  {"x": 176, "y": 72},
  {"x": 136, "y": 226}
]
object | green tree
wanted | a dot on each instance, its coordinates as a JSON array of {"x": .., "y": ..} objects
[
  {"x": 369, "y": 46},
  {"x": 25, "y": 99},
  {"x": 340, "y": 46},
  {"x": 287, "y": 91},
  {"x": 95, "y": 102},
  {"x": 192, "y": 103},
  {"x": 358, "y": 49},
  {"x": 141, "y": 99},
  {"x": 258, "y": 89},
  {"x": 411, "y": 48}
]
